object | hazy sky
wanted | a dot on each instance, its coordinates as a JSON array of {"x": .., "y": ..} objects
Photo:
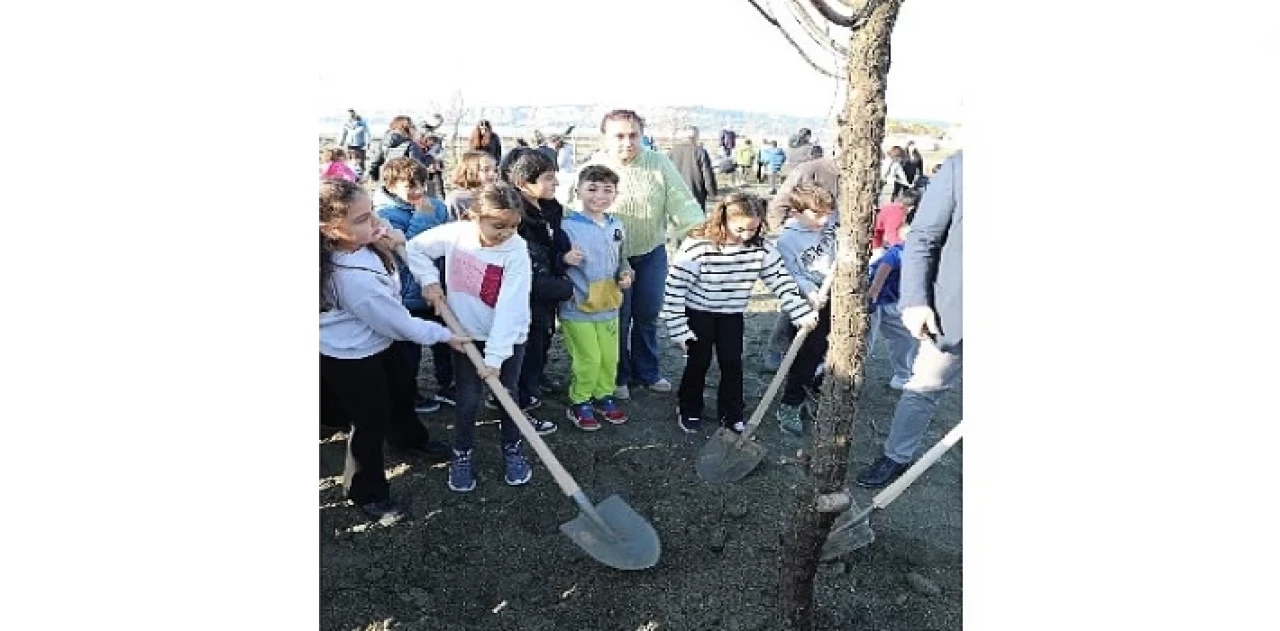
[{"x": 713, "y": 53}]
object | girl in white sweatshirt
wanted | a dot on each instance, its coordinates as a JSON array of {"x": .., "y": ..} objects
[
  {"x": 488, "y": 275},
  {"x": 360, "y": 316}
]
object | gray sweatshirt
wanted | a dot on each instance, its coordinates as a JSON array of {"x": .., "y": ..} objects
[
  {"x": 367, "y": 314},
  {"x": 809, "y": 255}
]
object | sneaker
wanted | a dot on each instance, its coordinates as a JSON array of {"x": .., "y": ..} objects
[
  {"x": 690, "y": 424},
  {"x": 789, "y": 419},
  {"x": 622, "y": 393},
  {"x": 582, "y": 417},
  {"x": 542, "y": 427},
  {"x": 517, "y": 466},
  {"x": 386, "y": 512},
  {"x": 447, "y": 395},
  {"x": 880, "y": 473},
  {"x": 461, "y": 479},
  {"x": 608, "y": 408},
  {"x": 661, "y": 385},
  {"x": 426, "y": 406},
  {"x": 898, "y": 384},
  {"x": 736, "y": 427},
  {"x": 491, "y": 402}
]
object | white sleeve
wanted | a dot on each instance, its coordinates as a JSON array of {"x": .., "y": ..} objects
[
  {"x": 511, "y": 313},
  {"x": 424, "y": 248}
]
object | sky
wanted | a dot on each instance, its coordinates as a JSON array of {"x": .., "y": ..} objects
[{"x": 710, "y": 53}]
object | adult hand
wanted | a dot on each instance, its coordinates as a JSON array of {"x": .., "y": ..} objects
[
  {"x": 489, "y": 371},
  {"x": 921, "y": 322}
]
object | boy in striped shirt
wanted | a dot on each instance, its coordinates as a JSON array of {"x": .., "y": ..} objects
[{"x": 708, "y": 287}]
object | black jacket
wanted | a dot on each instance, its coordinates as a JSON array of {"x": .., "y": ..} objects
[
  {"x": 694, "y": 166},
  {"x": 547, "y": 243}
]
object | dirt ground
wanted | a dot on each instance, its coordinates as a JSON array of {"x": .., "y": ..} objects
[{"x": 495, "y": 558}]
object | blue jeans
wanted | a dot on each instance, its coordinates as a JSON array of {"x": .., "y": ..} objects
[{"x": 638, "y": 319}]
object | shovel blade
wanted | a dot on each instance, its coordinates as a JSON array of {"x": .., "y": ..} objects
[
  {"x": 723, "y": 460},
  {"x": 851, "y": 531},
  {"x": 622, "y": 539}
]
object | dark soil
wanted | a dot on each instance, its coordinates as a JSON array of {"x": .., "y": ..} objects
[{"x": 495, "y": 558}]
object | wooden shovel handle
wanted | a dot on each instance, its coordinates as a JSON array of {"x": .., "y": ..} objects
[
  {"x": 918, "y": 468},
  {"x": 566, "y": 481}
]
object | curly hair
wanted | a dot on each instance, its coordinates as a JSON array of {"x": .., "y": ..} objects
[
  {"x": 809, "y": 196},
  {"x": 716, "y": 228},
  {"x": 524, "y": 165},
  {"x": 408, "y": 170}
]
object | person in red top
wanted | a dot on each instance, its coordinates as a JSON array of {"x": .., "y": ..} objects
[{"x": 891, "y": 217}]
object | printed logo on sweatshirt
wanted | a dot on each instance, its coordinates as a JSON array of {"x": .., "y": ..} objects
[{"x": 470, "y": 275}]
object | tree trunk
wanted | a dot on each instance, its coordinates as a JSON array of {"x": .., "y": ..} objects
[{"x": 830, "y": 434}]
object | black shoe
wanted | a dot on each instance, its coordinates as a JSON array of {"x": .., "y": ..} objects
[
  {"x": 432, "y": 450},
  {"x": 386, "y": 512},
  {"x": 447, "y": 395},
  {"x": 426, "y": 406},
  {"x": 882, "y": 472}
]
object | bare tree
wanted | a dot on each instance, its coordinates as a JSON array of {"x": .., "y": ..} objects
[
  {"x": 453, "y": 115},
  {"x": 825, "y": 493}
]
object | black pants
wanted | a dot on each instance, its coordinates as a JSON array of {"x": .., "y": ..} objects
[
  {"x": 811, "y": 353},
  {"x": 441, "y": 354},
  {"x": 721, "y": 334},
  {"x": 471, "y": 389},
  {"x": 542, "y": 323},
  {"x": 373, "y": 398}
]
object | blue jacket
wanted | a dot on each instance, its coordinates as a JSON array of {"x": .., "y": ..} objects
[
  {"x": 772, "y": 158},
  {"x": 933, "y": 252},
  {"x": 403, "y": 217}
]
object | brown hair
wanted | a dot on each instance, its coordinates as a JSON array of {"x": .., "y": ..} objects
[
  {"x": 336, "y": 198},
  {"x": 895, "y": 152},
  {"x": 622, "y": 115},
  {"x": 480, "y": 136},
  {"x": 402, "y": 124},
  {"x": 398, "y": 170},
  {"x": 493, "y": 201},
  {"x": 598, "y": 173},
  {"x": 332, "y": 154},
  {"x": 716, "y": 228},
  {"x": 809, "y": 196},
  {"x": 467, "y": 174}
]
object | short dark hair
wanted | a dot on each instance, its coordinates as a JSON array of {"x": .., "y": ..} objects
[
  {"x": 525, "y": 165},
  {"x": 598, "y": 173}
]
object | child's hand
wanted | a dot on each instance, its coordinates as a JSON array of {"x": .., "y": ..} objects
[
  {"x": 808, "y": 322},
  {"x": 683, "y": 344},
  {"x": 433, "y": 294},
  {"x": 459, "y": 342},
  {"x": 624, "y": 280},
  {"x": 817, "y": 301},
  {"x": 574, "y": 256},
  {"x": 489, "y": 371}
]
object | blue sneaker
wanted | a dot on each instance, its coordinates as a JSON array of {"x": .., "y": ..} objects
[
  {"x": 461, "y": 479},
  {"x": 608, "y": 408},
  {"x": 518, "y": 470}
]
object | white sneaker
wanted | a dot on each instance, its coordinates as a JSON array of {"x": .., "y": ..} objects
[
  {"x": 622, "y": 393},
  {"x": 898, "y": 384},
  {"x": 661, "y": 385}
]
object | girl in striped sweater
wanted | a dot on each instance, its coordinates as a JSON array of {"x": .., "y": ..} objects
[{"x": 708, "y": 287}]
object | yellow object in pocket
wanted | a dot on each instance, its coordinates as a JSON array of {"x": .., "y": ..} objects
[{"x": 602, "y": 295}]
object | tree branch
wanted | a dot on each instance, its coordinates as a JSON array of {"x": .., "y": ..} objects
[
  {"x": 848, "y": 21},
  {"x": 803, "y": 55},
  {"x": 811, "y": 28}
]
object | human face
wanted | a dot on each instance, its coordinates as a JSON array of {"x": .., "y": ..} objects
[
  {"x": 357, "y": 229},
  {"x": 812, "y": 219},
  {"x": 597, "y": 196},
  {"x": 741, "y": 227},
  {"x": 408, "y": 191},
  {"x": 622, "y": 139},
  {"x": 544, "y": 187},
  {"x": 496, "y": 230},
  {"x": 488, "y": 171}
]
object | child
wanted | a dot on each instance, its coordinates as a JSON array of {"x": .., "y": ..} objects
[
  {"x": 400, "y": 202},
  {"x": 889, "y": 218},
  {"x": 745, "y": 156},
  {"x": 533, "y": 174},
  {"x": 589, "y": 319},
  {"x": 808, "y": 250},
  {"x": 332, "y": 165},
  {"x": 488, "y": 272},
  {"x": 476, "y": 169},
  {"x": 773, "y": 158},
  {"x": 885, "y": 275},
  {"x": 355, "y": 162},
  {"x": 708, "y": 287},
  {"x": 360, "y": 317}
]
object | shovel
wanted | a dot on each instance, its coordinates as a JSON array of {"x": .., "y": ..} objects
[
  {"x": 852, "y": 531},
  {"x": 729, "y": 457},
  {"x": 611, "y": 532}
]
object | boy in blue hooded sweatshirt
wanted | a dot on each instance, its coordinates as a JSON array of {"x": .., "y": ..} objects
[
  {"x": 589, "y": 319},
  {"x": 402, "y": 203}
]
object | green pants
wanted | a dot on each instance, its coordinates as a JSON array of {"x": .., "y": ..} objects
[{"x": 593, "y": 351}]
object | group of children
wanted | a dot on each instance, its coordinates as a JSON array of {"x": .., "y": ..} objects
[{"x": 508, "y": 261}]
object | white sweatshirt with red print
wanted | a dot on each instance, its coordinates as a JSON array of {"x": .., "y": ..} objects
[{"x": 487, "y": 287}]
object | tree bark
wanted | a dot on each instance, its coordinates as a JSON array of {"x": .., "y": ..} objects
[{"x": 830, "y": 433}]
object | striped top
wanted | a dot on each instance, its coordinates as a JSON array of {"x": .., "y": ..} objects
[
  {"x": 651, "y": 197},
  {"x": 718, "y": 279}
]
